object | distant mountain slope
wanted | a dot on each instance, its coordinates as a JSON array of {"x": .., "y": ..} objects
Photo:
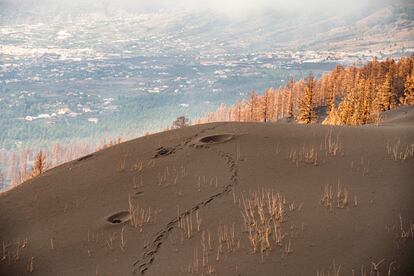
[
  {"x": 387, "y": 28},
  {"x": 376, "y": 28}
]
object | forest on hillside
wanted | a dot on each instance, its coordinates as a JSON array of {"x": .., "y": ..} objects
[{"x": 345, "y": 96}]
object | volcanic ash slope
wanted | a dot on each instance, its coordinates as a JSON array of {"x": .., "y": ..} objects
[{"x": 223, "y": 199}]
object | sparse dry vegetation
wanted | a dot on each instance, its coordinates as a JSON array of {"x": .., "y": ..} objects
[
  {"x": 187, "y": 225},
  {"x": 398, "y": 151},
  {"x": 12, "y": 252},
  {"x": 227, "y": 238},
  {"x": 122, "y": 163},
  {"x": 333, "y": 145},
  {"x": 333, "y": 270},
  {"x": 406, "y": 230},
  {"x": 305, "y": 154},
  {"x": 138, "y": 166},
  {"x": 338, "y": 198},
  {"x": 213, "y": 249},
  {"x": 140, "y": 216},
  {"x": 263, "y": 214},
  {"x": 170, "y": 176}
]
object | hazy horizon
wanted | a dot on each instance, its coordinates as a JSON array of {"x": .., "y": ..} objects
[{"x": 232, "y": 9}]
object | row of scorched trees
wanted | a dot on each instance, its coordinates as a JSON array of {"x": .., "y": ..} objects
[{"x": 345, "y": 96}]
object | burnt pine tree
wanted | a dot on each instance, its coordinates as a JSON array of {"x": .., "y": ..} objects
[
  {"x": 386, "y": 95},
  {"x": 408, "y": 97},
  {"x": 346, "y": 109},
  {"x": 253, "y": 105},
  {"x": 239, "y": 106},
  {"x": 180, "y": 122},
  {"x": 289, "y": 103},
  {"x": 358, "y": 95},
  {"x": 267, "y": 100},
  {"x": 367, "y": 94},
  {"x": 1, "y": 180},
  {"x": 40, "y": 164},
  {"x": 306, "y": 110}
]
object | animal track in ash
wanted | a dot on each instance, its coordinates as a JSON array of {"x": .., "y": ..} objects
[
  {"x": 165, "y": 151},
  {"x": 154, "y": 246},
  {"x": 150, "y": 250}
]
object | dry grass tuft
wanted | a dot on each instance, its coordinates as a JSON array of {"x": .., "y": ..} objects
[
  {"x": 226, "y": 242},
  {"x": 203, "y": 268},
  {"x": 206, "y": 247},
  {"x": 263, "y": 214},
  {"x": 4, "y": 254},
  {"x": 306, "y": 154},
  {"x": 122, "y": 163},
  {"x": 340, "y": 198},
  {"x": 333, "y": 270},
  {"x": 333, "y": 145},
  {"x": 123, "y": 240},
  {"x": 12, "y": 252},
  {"x": 137, "y": 181},
  {"x": 227, "y": 238},
  {"x": 138, "y": 166},
  {"x": 187, "y": 224},
  {"x": 30, "y": 266},
  {"x": 170, "y": 176},
  {"x": 406, "y": 231},
  {"x": 140, "y": 216},
  {"x": 399, "y": 152}
]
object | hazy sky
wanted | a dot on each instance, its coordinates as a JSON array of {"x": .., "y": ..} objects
[{"x": 226, "y": 7}]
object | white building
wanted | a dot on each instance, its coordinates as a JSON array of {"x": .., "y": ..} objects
[{"x": 93, "y": 120}]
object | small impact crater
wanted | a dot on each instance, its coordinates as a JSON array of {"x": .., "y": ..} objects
[
  {"x": 164, "y": 151},
  {"x": 119, "y": 218},
  {"x": 214, "y": 139}
]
